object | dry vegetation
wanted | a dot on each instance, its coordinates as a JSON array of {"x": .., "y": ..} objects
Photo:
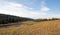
[{"x": 33, "y": 28}]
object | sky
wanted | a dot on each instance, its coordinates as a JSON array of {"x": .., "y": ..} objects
[{"x": 31, "y": 8}]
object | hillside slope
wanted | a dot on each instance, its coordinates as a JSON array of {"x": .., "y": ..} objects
[
  {"x": 33, "y": 28},
  {"x": 5, "y": 19}
]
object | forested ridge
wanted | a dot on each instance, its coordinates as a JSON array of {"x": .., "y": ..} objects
[{"x": 5, "y": 19}]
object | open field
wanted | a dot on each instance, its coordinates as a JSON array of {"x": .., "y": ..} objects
[{"x": 33, "y": 28}]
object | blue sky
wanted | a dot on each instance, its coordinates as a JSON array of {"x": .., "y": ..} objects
[{"x": 31, "y": 8}]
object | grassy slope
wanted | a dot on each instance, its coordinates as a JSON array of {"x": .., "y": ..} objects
[{"x": 33, "y": 28}]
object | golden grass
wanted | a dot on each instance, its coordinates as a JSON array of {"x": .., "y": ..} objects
[{"x": 33, "y": 28}]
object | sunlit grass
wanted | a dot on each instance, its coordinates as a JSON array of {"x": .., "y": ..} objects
[{"x": 33, "y": 28}]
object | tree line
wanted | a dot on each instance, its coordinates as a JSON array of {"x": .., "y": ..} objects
[
  {"x": 38, "y": 20},
  {"x": 5, "y": 19}
]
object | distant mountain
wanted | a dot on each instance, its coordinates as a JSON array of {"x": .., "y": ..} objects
[{"x": 4, "y": 19}]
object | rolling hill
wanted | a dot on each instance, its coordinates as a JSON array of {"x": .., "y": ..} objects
[
  {"x": 5, "y": 19},
  {"x": 33, "y": 28},
  {"x": 28, "y": 27}
]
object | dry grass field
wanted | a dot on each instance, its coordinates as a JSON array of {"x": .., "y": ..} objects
[{"x": 33, "y": 28}]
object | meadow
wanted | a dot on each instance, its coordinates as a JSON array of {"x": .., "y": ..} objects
[{"x": 33, "y": 28}]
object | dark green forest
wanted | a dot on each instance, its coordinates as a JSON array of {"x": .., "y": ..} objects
[
  {"x": 5, "y": 19},
  {"x": 8, "y": 19}
]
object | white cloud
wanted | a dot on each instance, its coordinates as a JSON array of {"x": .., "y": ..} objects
[
  {"x": 21, "y": 10},
  {"x": 44, "y": 8},
  {"x": 18, "y": 10}
]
